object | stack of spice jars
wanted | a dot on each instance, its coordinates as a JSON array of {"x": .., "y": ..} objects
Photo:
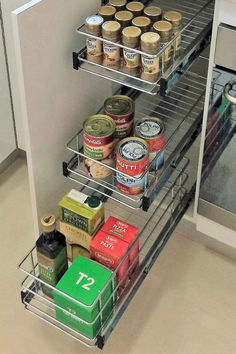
[{"x": 136, "y": 27}]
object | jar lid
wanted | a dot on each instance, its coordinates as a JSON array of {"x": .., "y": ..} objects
[
  {"x": 124, "y": 16},
  {"x": 135, "y": 6},
  {"x": 152, "y": 11},
  {"x": 174, "y": 17},
  {"x": 164, "y": 28},
  {"x": 111, "y": 28},
  {"x": 131, "y": 32},
  {"x": 150, "y": 39},
  {"x": 107, "y": 10},
  {"x": 117, "y": 3},
  {"x": 141, "y": 21},
  {"x": 93, "y": 202},
  {"x": 94, "y": 20},
  {"x": 48, "y": 223}
]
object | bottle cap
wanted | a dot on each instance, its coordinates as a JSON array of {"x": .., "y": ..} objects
[
  {"x": 150, "y": 42},
  {"x": 164, "y": 29},
  {"x": 48, "y": 223},
  {"x": 135, "y": 6},
  {"x": 131, "y": 35},
  {"x": 153, "y": 12},
  {"x": 174, "y": 17},
  {"x": 118, "y": 4},
  {"x": 93, "y": 24},
  {"x": 93, "y": 202},
  {"x": 107, "y": 10},
  {"x": 111, "y": 29},
  {"x": 124, "y": 16},
  {"x": 141, "y": 21}
]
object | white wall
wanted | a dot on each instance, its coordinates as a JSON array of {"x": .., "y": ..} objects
[
  {"x": 7, "y": 7},
  {"x": 7, "y": 137}
]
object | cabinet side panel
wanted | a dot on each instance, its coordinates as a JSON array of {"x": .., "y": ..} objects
[{"x": 55, "y": 98}]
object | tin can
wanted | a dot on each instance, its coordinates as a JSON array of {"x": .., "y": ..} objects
[
  {"x": 99, "y": 136},
  {"x": 132, "y": 158},
  {"x": 152, "y": 130},
  {"x": 121, "y": 109}
]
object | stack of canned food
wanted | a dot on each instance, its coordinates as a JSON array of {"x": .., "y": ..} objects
[
  {"x": 131, "y": 147},
  {"x": 136, "y": 27}
]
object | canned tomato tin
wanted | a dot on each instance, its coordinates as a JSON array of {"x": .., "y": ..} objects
[
  {"x": 121, "y": 109},
  {"x": 152, "y": 130},
  {"x": 132, "y": 158},
  {"x": 99, "y": 136}
]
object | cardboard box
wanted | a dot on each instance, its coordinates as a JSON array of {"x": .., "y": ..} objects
[
  {"x": 74, "y": 251},
  {"x": 76, "y": 236},
  {"x": 83, "y": 281},
  {"x": 127, "y": 233},
  {"x": 109, "y": 250},
  {"x": 85, "y": 213}
]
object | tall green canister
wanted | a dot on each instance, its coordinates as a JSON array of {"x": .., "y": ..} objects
[{"x": 84, "y": 281}]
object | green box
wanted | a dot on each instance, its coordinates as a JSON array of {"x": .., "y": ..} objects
[{"x": 83, "y": 281}]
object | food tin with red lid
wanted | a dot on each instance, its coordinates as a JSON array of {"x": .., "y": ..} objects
[
  {"x": 132, "y": 158},
  {"x": 121, "y": 109},
  {"x": 152, "y": 130}
]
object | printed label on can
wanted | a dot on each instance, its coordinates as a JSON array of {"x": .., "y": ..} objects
[
  {"x": 97, "y": 141},
  {"x": 131, "y": 59},
  {"x": 111, "y": 52},
  {"x": 98, "y": 152},
  {"x": 123, "y": 130},
  {"x": 94, "y": 47},
  {"x": 150, "y": 65},
  {"x": 131, "y": 186},
  {"x": 158, "y": 162}
]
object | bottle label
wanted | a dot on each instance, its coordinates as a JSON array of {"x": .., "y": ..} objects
[
  {"x": 178, "y": 43},
  {"x": 167, "y": 54},
  {"x": 94, "y": 47},
  {"x": 131, "y": 59},
  {"x": 111, "y": 52},
  {"x": 50, "y": 270},
  {"x": 150, "y": 65}
]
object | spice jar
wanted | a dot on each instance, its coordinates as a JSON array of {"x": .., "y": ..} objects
[
  {"x": 135, "y": 7},
  {"x": 111, "y": 52},
  {"x": 165, "y": 30},
  {"x": 107, "y": 12},
  {"x": 142, "y": 22},
  {"x": 150, "y": 43},
  {"x": 175, "y": 18},
  {"x": 118, "y": 4},
  {"x": 124, "y": 18},
  {"x": 93, "y": 26},
  {"x": 131, "y": 37},
  {"x": 153, "y": 12}
]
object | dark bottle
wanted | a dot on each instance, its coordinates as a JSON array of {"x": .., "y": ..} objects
[{"x": 51, "y": 253}]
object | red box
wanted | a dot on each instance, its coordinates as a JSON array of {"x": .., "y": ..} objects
[
  {"x": 127, "y": 233},
  {"x": 110, "y": 250}
]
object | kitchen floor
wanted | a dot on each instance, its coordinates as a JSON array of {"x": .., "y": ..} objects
[{"x": 187, "y": 304}]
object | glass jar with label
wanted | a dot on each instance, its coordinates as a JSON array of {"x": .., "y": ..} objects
[
  {"x": 131, "y": 38},
  {"x": 175, "y": 18},
  {"x": 135, "y": 7},
  {"x": 165, "y": 30},
  {"x": 93, "y": 26},
  {"x": 107, "y": 12},
  {"x": 111, "y": 52},
  {"x": 142, "y": 22},
  {"x": 150, "y": 43},
  {"x": 124, "y": 18},
  {"x": 153, "y": 12},
  {"x": 118, "y": 4}
]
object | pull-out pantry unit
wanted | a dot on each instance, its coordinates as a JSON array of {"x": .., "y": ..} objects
[{"x": 60, "y": 88}]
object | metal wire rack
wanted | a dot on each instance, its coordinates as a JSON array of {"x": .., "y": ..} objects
[
  {"x": 197, "y": 21},
  {"x": 154, "y": 229},
  {"x": 181, "y": 111}
]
